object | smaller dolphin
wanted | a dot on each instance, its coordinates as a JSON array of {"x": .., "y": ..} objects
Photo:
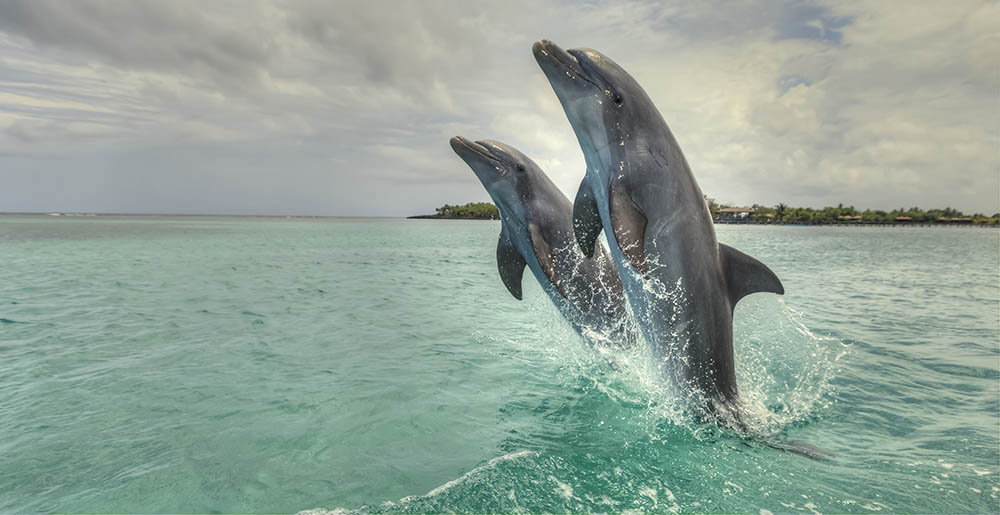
[{"x": 537, "y": 232}]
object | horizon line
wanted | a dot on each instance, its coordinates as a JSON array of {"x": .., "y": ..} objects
[{"x": 87, "y": 213}]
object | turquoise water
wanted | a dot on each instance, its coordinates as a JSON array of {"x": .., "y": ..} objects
[{"x": 266, "y": 365}]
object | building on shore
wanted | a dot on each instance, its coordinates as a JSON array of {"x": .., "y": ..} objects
[{"x": 736, "y": 213}]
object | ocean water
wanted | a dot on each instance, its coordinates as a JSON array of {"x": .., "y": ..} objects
[{"x": 252, "y": 365}]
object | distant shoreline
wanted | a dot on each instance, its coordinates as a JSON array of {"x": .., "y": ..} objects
[
  {"x": 791, "y": 224},
  {"x": 858, "y": 224},
  {"x": 781, "y": 214},
  {"x": 440, "y": 217},
  {"x": 484, "y": 218}
]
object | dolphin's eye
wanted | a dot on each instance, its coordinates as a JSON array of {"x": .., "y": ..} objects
[
  {"x": 520, "y": 168},
  {"x": 617, "y": 99}
]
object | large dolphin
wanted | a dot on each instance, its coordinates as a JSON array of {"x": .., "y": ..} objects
[
  {"x": 537, "y": 232},
  {"x": 681, "y": 283}
]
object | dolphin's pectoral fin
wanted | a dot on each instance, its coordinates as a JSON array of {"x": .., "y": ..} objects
[
  {"x": 746, "y": 275},
  {"x": 510, "y": 263},
  {"x": 586, "y": 219},
  {"x": 629, "y": 226},
  {"x": 543, "y": 251}
]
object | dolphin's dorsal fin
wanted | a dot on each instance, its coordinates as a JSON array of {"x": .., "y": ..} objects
[
  {"x": 543, "y": 252},
  {"x": 586, "y": 219},
  {"x": 746, "y": 275},
  {"x": 510, "y": 263}
]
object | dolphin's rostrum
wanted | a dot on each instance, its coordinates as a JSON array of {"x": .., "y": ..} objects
[{"x": 537, "y": 233}]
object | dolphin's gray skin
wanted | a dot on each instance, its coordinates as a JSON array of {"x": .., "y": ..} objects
[
  {"x": 538, "y": 233},
  {"x": 681, "y": 283}
]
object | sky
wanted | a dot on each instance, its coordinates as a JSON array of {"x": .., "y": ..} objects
[{"x": 345, "y": 108}]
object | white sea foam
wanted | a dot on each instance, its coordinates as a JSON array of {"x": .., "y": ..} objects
[
  {"x": 489, "y": 464},
  {"x": 436, "y": 491},
  {"x": 563, "y": 489}
]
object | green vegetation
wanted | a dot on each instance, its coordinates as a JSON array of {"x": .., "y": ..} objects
[
  {"x": 782, "y": 213},
  {"x": 470, "y": 211},
  {"x": 779, "y": 214}
]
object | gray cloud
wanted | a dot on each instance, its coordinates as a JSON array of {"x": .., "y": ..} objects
[
  {"x": 169, "y": 37},
  {"x": 346, "y": 107},
  {"x": 806, "y": 21}
]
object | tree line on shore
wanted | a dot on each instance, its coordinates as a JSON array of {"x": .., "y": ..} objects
[
  {"x": 781, "y": 213},
  {"x": 472, "y": 210}
]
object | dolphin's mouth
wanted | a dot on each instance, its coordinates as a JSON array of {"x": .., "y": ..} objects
[
  {"x": 459, "y": 144},
  {"x": 570, "y": 63}
]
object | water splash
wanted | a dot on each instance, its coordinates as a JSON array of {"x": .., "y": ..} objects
[{"x": 784, "y": 370}]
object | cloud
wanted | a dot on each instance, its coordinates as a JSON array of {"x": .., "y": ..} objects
[
  {"x": 168, "y": 37},
  {"x": 805, "y": 21},
  {"x": 347, "y": 107}
]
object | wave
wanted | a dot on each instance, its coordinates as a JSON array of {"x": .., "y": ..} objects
[{"x": 413, "y": 499}]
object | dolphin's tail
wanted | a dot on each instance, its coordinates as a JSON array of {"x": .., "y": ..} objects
[
  {"x": 730, "y": 415},
  {"x": 801, "y": 448},
  {"x": 734, "y": 420}
]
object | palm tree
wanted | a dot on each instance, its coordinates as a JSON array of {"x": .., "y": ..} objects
[{"x": 779, "y": 211}]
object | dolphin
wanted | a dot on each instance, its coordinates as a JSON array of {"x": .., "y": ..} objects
[
  {"x": 681, "y": 283},
  {"x": 537, "y": 232}
]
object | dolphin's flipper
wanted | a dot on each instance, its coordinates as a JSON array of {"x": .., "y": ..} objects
[
  {"x": 586, "y": 219},
  {"x": 510, "y": 263},
  {"x": 746, "y": 275},
  {"x": 543, "y": 252},
  {"x": 629, "y": 225}
]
